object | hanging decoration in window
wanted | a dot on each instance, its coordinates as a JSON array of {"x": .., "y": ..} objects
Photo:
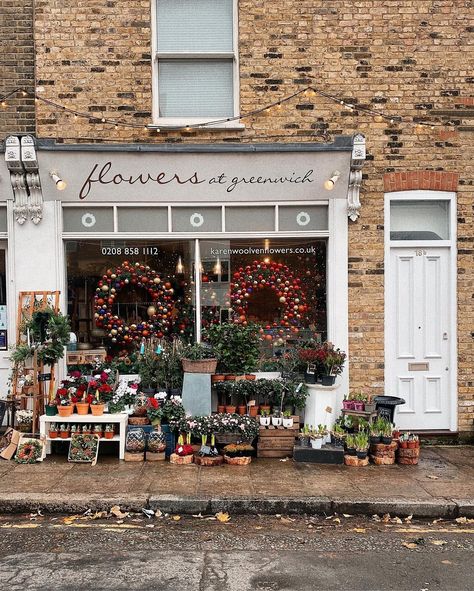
[
  {"x": 259, "y": 276},
  {"x": 158, "y": 314}
]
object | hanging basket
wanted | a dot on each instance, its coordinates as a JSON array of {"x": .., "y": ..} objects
[{"x": 199, "y": 365}]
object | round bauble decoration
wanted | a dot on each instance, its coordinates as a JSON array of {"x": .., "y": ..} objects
[
  {"x": 270, "y": 275},
  {"x": 159, "y": 314}
]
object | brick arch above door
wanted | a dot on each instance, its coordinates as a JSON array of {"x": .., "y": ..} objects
[{"x": 433, "y": 180}]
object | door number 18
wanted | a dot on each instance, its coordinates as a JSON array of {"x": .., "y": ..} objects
[{"x": 420, "y": 252}]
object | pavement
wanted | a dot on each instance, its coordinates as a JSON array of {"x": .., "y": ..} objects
[{"x": 442, "y": 485}]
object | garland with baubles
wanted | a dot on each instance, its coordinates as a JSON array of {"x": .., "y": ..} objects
[
  {"x": 159, "y": 313},
  {"x": 277, "y": 277}
]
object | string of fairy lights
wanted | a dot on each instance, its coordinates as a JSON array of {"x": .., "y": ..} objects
[{"x": 308, "y": 92}]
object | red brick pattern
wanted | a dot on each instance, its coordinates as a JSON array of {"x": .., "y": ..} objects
[{"x": 421, "y": 179}]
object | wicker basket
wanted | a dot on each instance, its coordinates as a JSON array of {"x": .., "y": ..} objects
[{"x": 199, "y": 365}]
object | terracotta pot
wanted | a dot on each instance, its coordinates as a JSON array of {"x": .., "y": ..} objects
[
  {"x": 403, "y": 444},
  {"x": 82, "y": 408},
  {"x": 97, "y": 409},
  {"x": 254, "y": 411},
  {"x": 230, "y": 377},
  {"x": 53, "y": 434},
  {"x": 109, "y": 434},
  {"x": 230, "y": 409},
  {"x": 242, "y": 409},
  {"x": 99, "y": 434},
  {"x": 64, "y": 434},
  {"x": 217, "y": 378},
  {"x": 412, "y": 444},
  {"x": 250, "y": 376},
  {"x": 265, "y": 407},
  {"x": 65, "y": 411},
  {"x": 221, "y": 408}
]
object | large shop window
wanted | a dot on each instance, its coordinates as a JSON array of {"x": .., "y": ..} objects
[{"x": 150, "y": 288}]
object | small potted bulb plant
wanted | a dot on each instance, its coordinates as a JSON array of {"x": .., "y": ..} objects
[
  {"x": 316, "y": 437},
  {"x": 277, "y": 419},
  {"x": 265, "y": 418},
  {"x": 361, "y": 440},
  {"x": 287, "y": 419},
  {"x": 109, "y": 432},
  {"x": 64, "y": 431},
  {"x": 53, "y": 431}
]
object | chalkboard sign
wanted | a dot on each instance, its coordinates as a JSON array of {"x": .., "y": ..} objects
[{"x": 385, "y": 413}]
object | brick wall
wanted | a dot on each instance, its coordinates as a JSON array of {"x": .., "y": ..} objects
[
  {"x": 16, "y": 66},
  {"x": 410, "y": 58}
]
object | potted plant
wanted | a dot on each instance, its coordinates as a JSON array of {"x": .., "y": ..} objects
[
  {"x": 348, "y": 403},
  {"x": 236, "y": 346},
  {"x": 264, "y": 417},
  {"x": 97, "y": 405},
  {"x": 148, "y": 368},
  {"x": 153, "y": 411},
  {"x": 361, "y": 441},
  {"x": 64, "y": 431},
  {"x": 73, "y": 430},
  {"x": 53, "y": 431},
  {"x": 316, "y": 437},
  {"x": 98, "y": 430},
  {"x": 184, "y": 452},
  {"x": 351, "y": 445},
  {"x": 87, "y": 429},
  {"x": 64, "y": 404},
  {"x": 305, "y": 435},
  {"x": 199, "y": 358},
  {"x": 413, "y": 441},
  {"x": 109, "y": 431},
  {"x": 386, "y": 429},
  {"x": 338, "y": 435},
  {"x": 24, "y": 419},
  {"x": 287, "y": 419},
  {"x": 277, "y": 419},
  {"x": 375, "y": 435},
  {"x": 359, "y": 401},
  {"x": 239, "y": 454},
  {"x": 333, "y": 363}
]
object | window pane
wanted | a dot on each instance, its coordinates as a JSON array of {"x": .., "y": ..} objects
[
  {"x": 194, "y": 25},
  {"x": 250, "y": 219},
  {"x": 196, "y": 88},
  {"x": 278, "y": 283},
  {"x": 95, "y": 219},
  {"x": 419, "y": 220},
  {"x": 196, "y": 219},
  {"x": 142, "y": 219},
  {"x": 138, "y": 305},
  {"x": 303, "y": 218},
  {"x": 3, "y": 219}
]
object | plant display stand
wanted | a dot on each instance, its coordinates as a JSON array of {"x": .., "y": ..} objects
[
  {"x": 383, "y": 454},
  {"x": 180, "y": 460},
  {"x": 134, "y": 456},
  {"x": 355, "y": 462},
  {"x": 238, "y": 461},
  {"x": 408, "y": 457},
  {"x": 120, "y": 418},
  {"x": 159, "y": 456},
  {"x": 208, "y": 461},
  {"x": 277, "y": 442},
  {"x": 328, "y": 454}
]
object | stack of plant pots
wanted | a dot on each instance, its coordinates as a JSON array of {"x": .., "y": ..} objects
[
  {"x": 408, "y": 450},
  {"x": 383, "y": 454}
]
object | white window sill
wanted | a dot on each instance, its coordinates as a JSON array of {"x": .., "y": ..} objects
[{"x": 198, "y": 125}]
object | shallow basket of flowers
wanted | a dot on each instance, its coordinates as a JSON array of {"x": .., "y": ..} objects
[{"x": 238, "y": 454}]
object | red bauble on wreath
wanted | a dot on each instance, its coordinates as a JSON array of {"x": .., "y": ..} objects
[
  {"x": 139, "y": 275},
  {"x": 277, "y": 277}
]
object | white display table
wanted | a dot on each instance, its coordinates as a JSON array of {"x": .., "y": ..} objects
[
  {"x": 319, "y": 398},
  {"x": 120, "y": 418}
]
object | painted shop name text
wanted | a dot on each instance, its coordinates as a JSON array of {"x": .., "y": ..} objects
[{"x": 105, "y": 176}]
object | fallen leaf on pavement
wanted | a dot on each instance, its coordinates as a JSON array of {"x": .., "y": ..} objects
[
  {"x": 99, "y": 515},
  {"x": 284, "y": 459},
  {"x": 176, "y": 517},
  {"x": 408, "y": 519},
  {"x": 286, "y": 520},
  {"x": 70, "y": 519},
  {"x": 359, "y": 530},
  {"x": 158, "y": 514},
  {"x": 386, "y": 518},
  {"x": 115, "y": 511},
  {"x": 437, "y": 520},
  {"x": 258, "y": 527},
  {"x": 223, "y": 517},
  {"x": 149, "y": 525},
  {"x": 337, "y": 520},
  {"x": 198, "y": 516},
  {"x": 439, "y": 542},
  {"x": 464, "y": 520},
  {"x": 396, "y": 520},
  {"x": 446, "y": 562},
  {"x": 432, "y": 477},
  {"x": 330, "y": 517},
  {"x": 347, "y": 515},
  {"x": 277, "y": 515},
  {"x": 148, "y": 512},
  {"x": 410, "y": 545},
  {"x": 376, "y": 518}
]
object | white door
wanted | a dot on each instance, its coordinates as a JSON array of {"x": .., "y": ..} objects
[{"x": 418, "y": 324}]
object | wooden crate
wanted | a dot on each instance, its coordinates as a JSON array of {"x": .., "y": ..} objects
[{"x": 277, "y": 442}]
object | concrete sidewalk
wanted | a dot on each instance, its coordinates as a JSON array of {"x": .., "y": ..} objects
[{"x": 442, "y": 485}]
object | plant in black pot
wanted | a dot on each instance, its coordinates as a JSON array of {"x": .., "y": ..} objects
[
  {"x": 351, "y": 445},
  {"x": 375, "y": 435},
  {"x": 361, "y": 441},
  {"x": 386, "y": 430},
  {"x": 333, "y": 362},
  {"x": 148, "y": 368},
  {"x": 236, "y": 346}
]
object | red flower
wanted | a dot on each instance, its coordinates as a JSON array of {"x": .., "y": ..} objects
[
  {"x": 62, "y": 392},
  {"x": 184, "y": 450},
  {"x": 90, "y": 398},
  {"x": 105, "y": 389},
  {"x": 75, "y": 374},
  {"x": 104, "y": 376},
  {"x": 153, "y": 403}
]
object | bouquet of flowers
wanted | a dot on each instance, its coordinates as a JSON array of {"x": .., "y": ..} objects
[
  {"x": 184, "y": 449},
  {"x": 153, "y": 411}
]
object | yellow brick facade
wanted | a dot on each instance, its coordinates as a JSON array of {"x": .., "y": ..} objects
[{"x": 408, "y": 58}]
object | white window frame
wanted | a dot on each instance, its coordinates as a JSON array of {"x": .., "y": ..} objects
[{"x": 171, "y": 122}]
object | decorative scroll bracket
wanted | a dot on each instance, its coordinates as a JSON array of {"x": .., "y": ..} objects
[
  {"x": 21, "y": 160},
  {"x": 355, "y": 176}
]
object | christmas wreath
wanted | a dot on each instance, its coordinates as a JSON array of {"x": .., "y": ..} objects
[
  {"x": 277, "y": 277},
  {"x": 29, "y": 452},
  {"x": 159, "y": 313}
]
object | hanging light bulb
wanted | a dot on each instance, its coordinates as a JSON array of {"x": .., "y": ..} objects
[
  {"x": 266, "y": 244},
  {"x": 180, "y": 266},
  {"x": 217, "y": 267}
]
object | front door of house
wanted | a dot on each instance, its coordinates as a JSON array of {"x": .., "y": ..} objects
[{"x": 418, "y": 343}]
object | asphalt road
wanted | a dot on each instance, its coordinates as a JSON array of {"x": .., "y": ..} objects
[{"x": 271, "y": 553}]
